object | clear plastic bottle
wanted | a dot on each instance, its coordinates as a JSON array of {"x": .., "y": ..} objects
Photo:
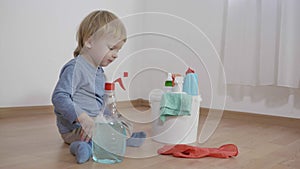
[
  {"x": 109, "y": 136},
  {"x": 178, "y": 84}
]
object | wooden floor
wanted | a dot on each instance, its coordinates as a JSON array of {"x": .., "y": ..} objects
[{"x": 31, "y": 140}]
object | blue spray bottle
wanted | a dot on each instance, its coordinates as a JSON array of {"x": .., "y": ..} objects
[{"x": 190, "y": 84}]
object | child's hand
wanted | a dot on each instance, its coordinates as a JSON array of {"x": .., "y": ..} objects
[{"x": 87, "y": 124}]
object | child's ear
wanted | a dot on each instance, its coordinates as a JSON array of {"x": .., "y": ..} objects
[{"x": 88, "y": 43}]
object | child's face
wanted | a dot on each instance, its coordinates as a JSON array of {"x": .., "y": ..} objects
[
  {"x": 104, "y": 51},
  {"x": 112, "y": 54}
]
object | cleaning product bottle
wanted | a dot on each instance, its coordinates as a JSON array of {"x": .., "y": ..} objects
[
  {"x": 109, "y": 136},
  {"x": 190, "y": 84},
  {"x": 178, "y": 84},
  {"x": 168, "y": 83}
]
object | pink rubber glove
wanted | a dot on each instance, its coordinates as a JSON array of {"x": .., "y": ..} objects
[{"x": 187, "y": 151}]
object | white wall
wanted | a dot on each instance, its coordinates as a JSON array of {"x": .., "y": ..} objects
[{"x": 38, "y": 38}]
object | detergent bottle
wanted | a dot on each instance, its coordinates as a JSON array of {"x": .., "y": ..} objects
[{"x": 168, "y": 83}]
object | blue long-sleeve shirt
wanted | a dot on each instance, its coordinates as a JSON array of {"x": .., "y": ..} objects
[{"x": 80, "y": 88}]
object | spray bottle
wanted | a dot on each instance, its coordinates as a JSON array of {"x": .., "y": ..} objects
[
  {"x": 190, "y": 84},
  {"x": 178, "y": 84},
  {"x": 109, "y": 136}
]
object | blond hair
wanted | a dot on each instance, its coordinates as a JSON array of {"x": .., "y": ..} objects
[{"x": 98, "y": 23}]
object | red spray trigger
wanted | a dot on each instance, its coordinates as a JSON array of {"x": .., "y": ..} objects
[
  {"x": 189, "y": 71},
  {"x": 119, "y": 80}
]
